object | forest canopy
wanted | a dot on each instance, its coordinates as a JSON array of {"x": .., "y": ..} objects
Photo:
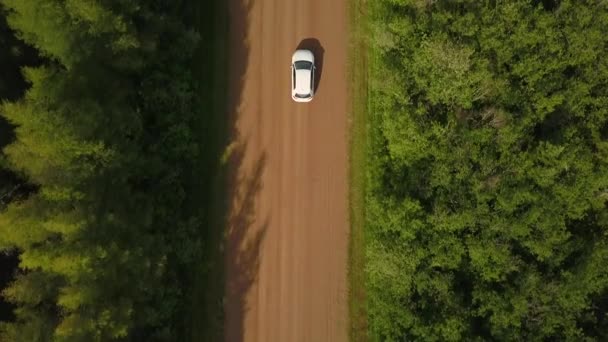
[
  {"x": 487, "y": 190},
  {"x": 104, "y": 139}
]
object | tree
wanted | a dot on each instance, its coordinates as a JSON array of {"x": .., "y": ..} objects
[
  {"x": 104, "y": 135},
  {"x": 486, "y": 206}
]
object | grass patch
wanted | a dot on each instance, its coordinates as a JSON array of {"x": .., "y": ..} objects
[
  {"x": 203, "y": 316},
  {"x": 358, "y": 80}
]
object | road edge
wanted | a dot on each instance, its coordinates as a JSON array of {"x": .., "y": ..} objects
[
  {"x": 357, "y": 139},
  {"x": 206, "y": 310}
]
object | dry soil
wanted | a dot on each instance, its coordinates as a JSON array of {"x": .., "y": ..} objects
[{"x": 287, "y": 240}]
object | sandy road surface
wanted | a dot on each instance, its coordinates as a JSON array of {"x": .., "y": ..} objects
[{"x": 286, "y": 252}]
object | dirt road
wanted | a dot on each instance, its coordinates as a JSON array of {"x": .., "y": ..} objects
[{"x": 286, "y": 250}]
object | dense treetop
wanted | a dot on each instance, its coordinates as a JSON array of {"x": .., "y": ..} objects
[
  {"x": 488, "y": 182},
  {"x": 104, "y": 137}
]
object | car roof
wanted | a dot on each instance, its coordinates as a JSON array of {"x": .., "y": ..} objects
[{"x": 303, "y": 78}]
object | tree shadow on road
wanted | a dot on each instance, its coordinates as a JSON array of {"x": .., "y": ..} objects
[
  {"x": 315, "y": 46},
  {"x": 227, "y": 267},
  {"x": 244, "y": 231},
  {"x": 244, "y": 237},
  {"x": 239, "y": 50}
]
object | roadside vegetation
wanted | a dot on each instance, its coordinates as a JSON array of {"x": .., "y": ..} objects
[
  {"x": 358, "y": 77},
  {"x": 106, "y": 172},
  {"x": 204, "y": 311},
  {"x": 487, "y": 189}
]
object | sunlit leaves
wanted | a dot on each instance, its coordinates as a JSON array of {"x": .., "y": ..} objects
[{"x": 487, "y": 185}]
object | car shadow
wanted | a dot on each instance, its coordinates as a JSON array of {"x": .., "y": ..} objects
[{"x": 315, "y": 46}]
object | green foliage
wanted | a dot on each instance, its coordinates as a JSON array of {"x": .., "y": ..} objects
[
  {"x": 487, "y": 182},
  {"x": 72, "y": 31},
  {"x": 104, "y": 134}
]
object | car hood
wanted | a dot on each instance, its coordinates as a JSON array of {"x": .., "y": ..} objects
[{"x": 303, "y": 82}]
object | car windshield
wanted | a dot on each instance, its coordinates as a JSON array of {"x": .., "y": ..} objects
[
  {"x": 299, "y": 65},
  {"x": 303, "y": 96}
]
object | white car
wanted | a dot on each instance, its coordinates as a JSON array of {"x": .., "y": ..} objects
[{"x": 302, "y": 76}]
